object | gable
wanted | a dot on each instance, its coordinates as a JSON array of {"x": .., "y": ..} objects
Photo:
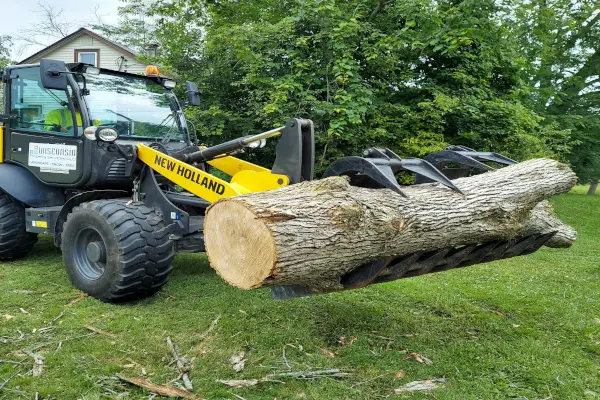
[{"x": 108, "y": 54}]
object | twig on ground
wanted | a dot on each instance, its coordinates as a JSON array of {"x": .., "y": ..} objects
[
  {"x": 5, "y": 339},
  {"x": 7, "y": 380},
  {"x": 77, "y": 299},
  {"x": 11, "y": 362},
  {"x": 183, "y": 365},
  {"x": 309, "y": 374},
  {"x": 285, "y": 360},
  {"x": 162, "y": 390},
  {"x": 38, "y": 363},
  {"x": 212, "y": 326},
  {"x": 17, "y": 391},
  {"x": 111, "y": 386},
  {"x": 59, "y": 316},
  {"x": 100, "y": 331},
  {"x": 58, "y": 341}
]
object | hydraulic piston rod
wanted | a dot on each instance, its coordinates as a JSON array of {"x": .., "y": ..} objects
[{"x": 228, "y": 147}]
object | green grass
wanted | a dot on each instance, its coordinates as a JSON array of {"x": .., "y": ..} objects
[{"x": 525, "y": 328}]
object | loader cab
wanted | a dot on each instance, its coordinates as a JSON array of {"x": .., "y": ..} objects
[{"x": 50, "y": 110}]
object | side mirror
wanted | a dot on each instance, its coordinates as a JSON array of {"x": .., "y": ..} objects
[
  {"x": 193, "y": 95},
  {"x": 53, "y": 74}
]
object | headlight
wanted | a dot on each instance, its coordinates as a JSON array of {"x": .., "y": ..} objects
[{"x": 107, "y": 134}]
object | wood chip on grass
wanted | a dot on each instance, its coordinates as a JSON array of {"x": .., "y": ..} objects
[
  {"x": 420, "y": 386},
  {"x": 161, "y": 390},
  {"x": 238, "y": 361},
  {"x": 419, "y": 358},
  {"x": 38, "y": 363},
  {"x": 239, "y": 383}
]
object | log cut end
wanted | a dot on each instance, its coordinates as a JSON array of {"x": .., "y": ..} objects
[{"x": 239, "y": 245}]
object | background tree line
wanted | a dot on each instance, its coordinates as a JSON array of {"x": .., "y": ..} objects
[{"x": 521, "y": 77}]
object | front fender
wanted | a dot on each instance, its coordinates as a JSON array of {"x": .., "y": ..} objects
[
  {"x": 77, "y": 200},
  {"x": 25, "y": 187}
]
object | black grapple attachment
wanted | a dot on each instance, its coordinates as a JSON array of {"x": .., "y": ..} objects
[
  {"x": 377, "y": 169},
  {"x": 466, "y": 161}
]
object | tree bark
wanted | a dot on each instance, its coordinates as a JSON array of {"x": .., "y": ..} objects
[
  {"x": 593, "y": 188},
  {"x": 314, "y": 232}
]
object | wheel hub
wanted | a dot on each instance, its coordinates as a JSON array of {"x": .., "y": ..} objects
[
  {"x": 89, "y": 253},
  {"x": 96, "y": 252}
]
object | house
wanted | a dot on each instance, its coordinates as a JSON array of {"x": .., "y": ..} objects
[{"x": 86, "y": 46}]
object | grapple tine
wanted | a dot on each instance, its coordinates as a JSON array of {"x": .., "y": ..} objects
[
  {"x": 358, "y": 168},
  {"x": 426, "y": 169},
  {"x": 494, "y": 157},
  {"x": 460, "y": 157},
  {"x": 378, "y": 168},
  {"x": 473, "y": 154}
]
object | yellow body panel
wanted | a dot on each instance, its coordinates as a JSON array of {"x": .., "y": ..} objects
[
  {"x": 246, "y": 177},
  {"x": 1, "y": 144},
  {"x": 260, "y": 181},
  {"x": 192, "y": 179},
  {"x": 231, "y": 165}
]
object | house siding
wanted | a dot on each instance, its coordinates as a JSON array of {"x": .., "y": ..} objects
[{"x": 108, "y": 56}]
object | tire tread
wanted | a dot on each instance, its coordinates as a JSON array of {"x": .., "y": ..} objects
[
  {"x": 15, "y": 241},
  {"x": 144, "y": 250}
]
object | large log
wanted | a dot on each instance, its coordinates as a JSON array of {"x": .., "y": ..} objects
[{"x": 313, "y": 233}]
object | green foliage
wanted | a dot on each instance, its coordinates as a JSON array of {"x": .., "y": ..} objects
[
  {"x": 413, "y": 76},
  {"x": 5, "y": 43},
  {"x": 517, "y": 77},
  {"x": 563, "y": 73}
]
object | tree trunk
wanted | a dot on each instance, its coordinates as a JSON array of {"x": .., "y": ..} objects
[
  {"x": 313, "y": 233},
  {"x": 593, "y": 188}
]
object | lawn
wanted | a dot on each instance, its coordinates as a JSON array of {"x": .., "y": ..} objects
[{"x": 526, "y": 328}]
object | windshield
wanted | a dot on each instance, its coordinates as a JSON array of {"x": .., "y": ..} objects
[{"x": 135, "y": 107}]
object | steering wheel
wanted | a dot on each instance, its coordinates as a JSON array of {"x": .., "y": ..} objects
[{"x": 158, "y": 146}]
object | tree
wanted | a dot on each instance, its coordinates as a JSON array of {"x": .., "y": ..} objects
[
  {"x": 412, "y": 76},
  {"x": 135, "y": 28},
  {"x": 561, "y": 43},
  {"x": 50, "y": 26},
  {"x": 5, "y": 45}
]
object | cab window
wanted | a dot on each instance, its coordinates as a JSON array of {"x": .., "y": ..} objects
[{"x": 40, "y": 109}]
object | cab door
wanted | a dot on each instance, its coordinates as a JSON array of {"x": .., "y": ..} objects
[{"x": 43, "y": 136}]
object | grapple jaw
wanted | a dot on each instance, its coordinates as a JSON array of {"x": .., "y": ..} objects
[
  {"x": 419, "y": 263},
  {"x": 467, "y": 158},
  {"x": 378, "y": 167}
]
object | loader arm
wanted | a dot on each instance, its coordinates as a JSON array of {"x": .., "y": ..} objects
[{"x": 246, "y": 177}]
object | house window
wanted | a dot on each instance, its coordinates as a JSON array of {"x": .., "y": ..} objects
[{"x": 88, "y": 56}]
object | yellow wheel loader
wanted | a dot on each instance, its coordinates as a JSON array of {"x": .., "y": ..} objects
[{"x": 104, "y": 162}]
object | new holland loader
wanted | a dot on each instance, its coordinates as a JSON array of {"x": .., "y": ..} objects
[{"x": 105, "y": 162}]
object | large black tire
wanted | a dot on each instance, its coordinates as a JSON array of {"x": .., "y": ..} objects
[
  {"x": 15, "y": 241},
  {"x": 115, "y": 251}
]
